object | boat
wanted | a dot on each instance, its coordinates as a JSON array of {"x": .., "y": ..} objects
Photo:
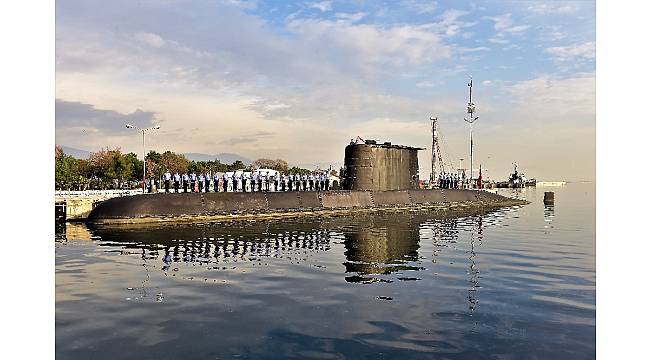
[{"x": 517, "y": 180}]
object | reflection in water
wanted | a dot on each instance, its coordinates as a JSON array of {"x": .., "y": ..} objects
[
  {"x": 476, "y": 236},
  {"x": 375, "y": 246},
  {"x": 372, "y": 248},
  {"x": 549, "y": 214},
  {"x": 481, "y": 286}
]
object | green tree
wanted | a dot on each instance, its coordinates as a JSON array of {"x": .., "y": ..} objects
[
  {"x": 173, "y": 162},
  {"x": 66, "y": 170}
]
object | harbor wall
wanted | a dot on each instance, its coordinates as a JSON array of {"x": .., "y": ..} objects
[{"x": 172, "y": 205}]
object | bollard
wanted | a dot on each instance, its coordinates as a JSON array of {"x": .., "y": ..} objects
[{"x": 549, "y": 198}]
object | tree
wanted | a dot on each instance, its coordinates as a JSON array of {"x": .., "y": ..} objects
[
  {"x": 66, "y": 170},
  {"x": 237, "y": 165},
  {"x": 173, "y": 162},
  {"x": 154, "y": 164},
  {"x": 299, "y": 171},
  {"x": 277, "y": 164},
  {"x": 136, "y": 172}
]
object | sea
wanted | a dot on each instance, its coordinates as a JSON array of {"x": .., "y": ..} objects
[{"x": 515, "y": 283}]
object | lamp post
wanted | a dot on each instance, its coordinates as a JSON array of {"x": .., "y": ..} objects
[
  {"x": 144, "y": 160},
  {"x": 471, "y": 109}
]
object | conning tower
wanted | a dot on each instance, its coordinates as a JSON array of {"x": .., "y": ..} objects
[{"x": 380, "y": 167}]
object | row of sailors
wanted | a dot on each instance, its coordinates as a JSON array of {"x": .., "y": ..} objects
[
  {"x": 246, "y": 182},
  {"x": 448, "y": 181}
]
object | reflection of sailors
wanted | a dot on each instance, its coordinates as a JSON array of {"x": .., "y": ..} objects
[
  {"x": 167, "y": 176},
  {"x": 186, "y": 179},
  {"x": 177, "y": 180}
]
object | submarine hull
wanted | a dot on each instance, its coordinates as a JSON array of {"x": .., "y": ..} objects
[{"x": 193, "y": 207}]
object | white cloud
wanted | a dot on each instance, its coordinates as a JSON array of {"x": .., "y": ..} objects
[
  {"x": 372, "y": 44},
  {"x": 504, "y": 24},
  {"x": 420, "y": 6},
  {"x": 475, "y": 49},
  {"x": 350, "y": 17},
  {"x": 323, "y": 6},
  {"x": 561, "y": 99},
  {"x": 573, "y": 52},
  {"x": 449, "y": 23},
  {"x": 498, "y": 40},
  {"x": 548, "y": 7},
  {"x": 150, "y": 39}
]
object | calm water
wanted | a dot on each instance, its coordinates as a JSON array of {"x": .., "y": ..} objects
[{"x": 516, "y": 283}]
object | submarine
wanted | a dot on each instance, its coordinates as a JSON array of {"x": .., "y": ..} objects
[{"x": 377, "y": 177}]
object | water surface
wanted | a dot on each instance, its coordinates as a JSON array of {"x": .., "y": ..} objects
[{"x": 515, "y": 283}]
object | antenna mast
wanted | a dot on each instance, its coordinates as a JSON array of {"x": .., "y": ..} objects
[
  {"x": 471, "y": 109},
  {"x": 434, "y": 140}
]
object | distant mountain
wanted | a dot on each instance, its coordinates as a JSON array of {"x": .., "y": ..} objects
[
  {"x": 226, "y": 158},
  {"x": 76, "y": 153}
]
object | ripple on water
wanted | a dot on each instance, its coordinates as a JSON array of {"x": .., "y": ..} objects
[{"x": 411, "y": 285}]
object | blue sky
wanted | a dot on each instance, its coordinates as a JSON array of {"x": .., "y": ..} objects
[{"x": 298, "y": 80}]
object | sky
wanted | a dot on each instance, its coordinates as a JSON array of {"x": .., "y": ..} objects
[{"x": 297, "y": 80}]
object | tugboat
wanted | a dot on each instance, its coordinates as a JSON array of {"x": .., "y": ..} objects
[{"x": 517, "y": 180}]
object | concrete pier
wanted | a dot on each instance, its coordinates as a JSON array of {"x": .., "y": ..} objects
[{"x": 77, "y": 205}]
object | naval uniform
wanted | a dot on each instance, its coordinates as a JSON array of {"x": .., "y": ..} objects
[
  {"x": 201, "y": 182},
  {"x": 215, "y": 181},
  {"x": 185, "y": 181},
  {"x": 192, "y": 182},
  {"x": 177, "y": 180},
  {"x": 167, "y": 177}
]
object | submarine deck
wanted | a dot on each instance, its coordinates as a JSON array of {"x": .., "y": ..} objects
[{"x": 202, "y": 207}]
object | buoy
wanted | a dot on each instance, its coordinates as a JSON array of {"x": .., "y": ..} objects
[{"x": 549, "y": 198}]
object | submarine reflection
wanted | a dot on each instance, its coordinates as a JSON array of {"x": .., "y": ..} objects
[{"x": 374, "y": 246}]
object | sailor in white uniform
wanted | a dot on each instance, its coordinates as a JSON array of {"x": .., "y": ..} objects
[
  {"x": 192, "y": 181},
  {"x": 236, "y": 184},
  {"x": 215, "y": 181},
  {"x": 167, "y": 176},
  {"x": 201, "y": 182},
  {"x": 225, "y": 182},
  {"x": 177, "y": 180},
  {"x": 186, "y": 179}
]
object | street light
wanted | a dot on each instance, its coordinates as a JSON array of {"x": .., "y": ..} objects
[{"x": 144, "y": 160}]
